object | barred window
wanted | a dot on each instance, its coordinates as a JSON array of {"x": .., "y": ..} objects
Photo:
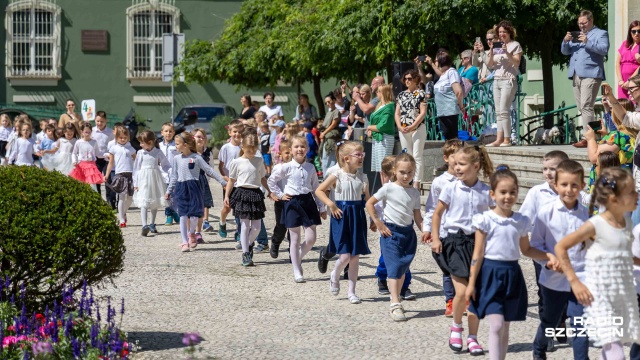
[
  {"x": 33, "y": 39},
  {"x": 146, "y": 22}
]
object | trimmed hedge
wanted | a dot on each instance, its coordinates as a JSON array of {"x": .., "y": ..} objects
[{"x": 54, "y": 232}]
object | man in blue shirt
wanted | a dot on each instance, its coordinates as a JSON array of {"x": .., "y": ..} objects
[{"x": 586, "y": 66}]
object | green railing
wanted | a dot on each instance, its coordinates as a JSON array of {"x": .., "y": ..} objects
[{"x": 45, "y": 112}]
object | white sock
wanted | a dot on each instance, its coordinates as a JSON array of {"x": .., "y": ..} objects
[
  {"x": 456, "y": 335},
  {"x": 353, "y": 274},
  {"x": 341, "y": 263},
  {"x": 248, "y": 233},
  {"x": 309, "y": 241},
  {"x": 193, "y": 224},
  {"x": 154, "y": 212},
  {"x": 184, "y": 229},
  {"x": 223, "y": 223},
  {"x": 294, "y": 251},
  {"x": 143, "y": 216}
]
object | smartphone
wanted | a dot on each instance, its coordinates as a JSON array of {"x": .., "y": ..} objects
[
  {"x": 422, "y": 58},
  {"x": 595, "y": 125},
  {"x": 478, "y": 40},
  {"x": 497, "y": 44},
  {"x": 575, "y": 35}
]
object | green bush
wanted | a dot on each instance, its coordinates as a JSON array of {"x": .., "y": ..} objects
[
  {"x": 54, "y": 231},
  {"x": 219, "y": 133}
]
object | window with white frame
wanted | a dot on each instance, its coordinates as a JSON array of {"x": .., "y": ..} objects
[
  {"x": 147, "y": 20},
  {"x": 33, "y": 39}
]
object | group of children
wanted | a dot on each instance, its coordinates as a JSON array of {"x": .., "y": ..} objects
[{"x": 584, "y": 264}]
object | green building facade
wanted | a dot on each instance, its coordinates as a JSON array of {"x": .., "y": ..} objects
[{"x": 110, "y": 51}]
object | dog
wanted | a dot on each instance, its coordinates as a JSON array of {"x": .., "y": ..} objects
[{"x": 546, "y": 136}]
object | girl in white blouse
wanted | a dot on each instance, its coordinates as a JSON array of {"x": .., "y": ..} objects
[
  {"x": 497, "y": 288},
  {"x": 301, "y": 208},
  {"x": 85, "y": 153},
  {"x": 24, "y": 147}
]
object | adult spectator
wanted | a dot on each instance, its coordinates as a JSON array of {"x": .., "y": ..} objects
[
  {"x": 71, "y": 116},
  {"x": 448, "y": 97},
  {"x": 370, "y": 105},
  {"x": 425, "y": 77},
  {"x": 274, "y": 112},
  {"x": 382, "y": 127},
  {"x": 247, "y": 111},
  {"x": 505, "y": 61},
  {"x": 628, "y": 59},
  {"x": 480, "y": 57},
  {"x": 586, "y": 67},
  {"x": 411, "y": 108},
  {"x": 330, "y": 134},
  {"x": 467, "y": 70},
  {"x": 342, "y": 104},
  {"x": 356, "y": 115},
  {"x": 304, "y": 110}
]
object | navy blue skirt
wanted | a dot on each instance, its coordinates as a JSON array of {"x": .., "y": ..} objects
[
  {"x": 349, "y": 233},
  {"x": 399, "y": 249},
  {"x": 187, "y": 198},
  {"x": 300, "y": 210},
  {"x": 207, "y": 198},
  {"x": 500, "y": 289},
  {"x": 455, "y": 257}
]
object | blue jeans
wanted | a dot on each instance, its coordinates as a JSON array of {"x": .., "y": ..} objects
[
  {"x": 262, "y": 236},
  {"x": 554, "y": 303},
  {"x": 447, "y": 285},
  {"x": 381, "y": 273},
  {"x": 328, "y": 159}
]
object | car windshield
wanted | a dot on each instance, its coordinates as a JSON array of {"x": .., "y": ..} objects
[{"x": 205, "y": 114}]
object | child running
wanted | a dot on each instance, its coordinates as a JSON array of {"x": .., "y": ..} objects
[
  {"x": 246, "y": 199},
  {"x": 497, "y": 288},
  {"x": 348, "y": 221},
  {"x": 185, "y": 190},
  {"x": 398, "y": 240},
  {"x": 148, "y": 183},
  {"x": 301, "y": 209},
  {"x": 448, "y": 150},
  {"x": 85, "y": 153},
  {"x": 461, "y": 199},
  {"x": 120, "y": 160},
  {"x": 607, "y": 290}
]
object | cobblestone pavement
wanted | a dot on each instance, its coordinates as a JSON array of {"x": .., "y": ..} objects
[{"x": 259, "y": 312}]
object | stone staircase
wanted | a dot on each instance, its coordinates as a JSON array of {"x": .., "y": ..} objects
[{"x": 525, "y": 162}]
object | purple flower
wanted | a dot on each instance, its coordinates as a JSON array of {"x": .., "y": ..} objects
[
  {"x": 190, "y": 339},
  {"x": 76, "y": 348},
  {"x": 42, "y": 347}
]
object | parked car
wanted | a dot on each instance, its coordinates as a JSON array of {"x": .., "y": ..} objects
[{"x": 206, "y": 113}]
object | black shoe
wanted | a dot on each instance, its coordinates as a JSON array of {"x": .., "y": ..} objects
[
  {"x": 562, "y": 339},
  {"x": 145, "y": 230},
  {"x": 322, "y": 261},
  {"x": 551, "y": 346},
  {"x": 383, "y": 289},
  {"x": 246, "y": 259},
  {"x": 275, "y": 248},
  {"x": 444, "y": 167}
]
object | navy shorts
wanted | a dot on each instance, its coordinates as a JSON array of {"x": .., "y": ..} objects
[{"x": 267, "y": 159}]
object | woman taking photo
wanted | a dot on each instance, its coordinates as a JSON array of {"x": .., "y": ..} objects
[
  {"x": 304, "y": 110},
  {"x": 248, "y": 111},
  {"x": 448, "y": 97},
  {"x": 382, "y": 127},
  {"x": 411, "y": 109},
  {"x": 505, "y": 61},
  {"x": 627, "y": 61},
  {"x": 356, "y": 115}
]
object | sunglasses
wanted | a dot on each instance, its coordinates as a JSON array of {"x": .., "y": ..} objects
[
  {"x": 408, "y": 78},
  {"x": 634, "y": 32},
  {"x": 490, "y": 39}
]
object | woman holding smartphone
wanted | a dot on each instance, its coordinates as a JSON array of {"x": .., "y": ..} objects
[{"x": 504, "y": 59}]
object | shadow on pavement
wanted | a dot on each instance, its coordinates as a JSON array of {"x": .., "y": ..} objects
[{"x": 156, "y": 340}]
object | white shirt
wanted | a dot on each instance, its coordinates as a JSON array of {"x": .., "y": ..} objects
[
  {"x": 123, "y": 157},
  {"x": 113, "y": 143},
  {"x": 228, "y": 152},
  {"x": 247, "y": 173},
  {"x": 553, "y": 222},
  {"x": 463, "y": 202},
  {"x": 4, "y": 133},
  {"x": 400, "y": 203},
  {"x": 23, "y": 152},
  {"x": 270, "y": 111},
  {"x": 102, "y": 137},
  {"x": 169, "y": 150},
  {"x": 635, "y": 250},
  {"x": 300, "y": 179},
  {"x": 541, "y": 195},
  {"x": 503, "y": 234},
  {"x": 85, "y": 151},
  {"x": 155, "y": 157},
  {"x": 432, "y": 200}
]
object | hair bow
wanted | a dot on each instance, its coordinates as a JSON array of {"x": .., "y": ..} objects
[
  {"x": 610, "y": 183},
  {"x": 502, "y": 167},
  {"x": 404, "y": 151}
]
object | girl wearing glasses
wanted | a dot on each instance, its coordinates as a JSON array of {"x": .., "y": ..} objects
[
  {"x": 628, "y": 59},
  {"x": 348, "y": 222}
]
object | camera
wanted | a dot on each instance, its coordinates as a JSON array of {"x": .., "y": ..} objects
[
  {"x": 497, "y": 44},
  {"x": 575, "y": 35},
  {"x": 422, "y": 58}
]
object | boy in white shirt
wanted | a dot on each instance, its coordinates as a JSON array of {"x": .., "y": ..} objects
[
  {"x": 450, "y": 147},
  {"x": 102, "y": 135},
  {"x": 552, "y": 222},
  {"x": 228, "y": 152}
]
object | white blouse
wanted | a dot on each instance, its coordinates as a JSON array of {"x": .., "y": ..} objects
[
  {"x": 85, "y": 151},
  {"x": 300, "y": 179},
  {"x": 503, "y": 234}
]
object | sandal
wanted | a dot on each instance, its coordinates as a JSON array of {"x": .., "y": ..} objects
[
  {"x": 354, "y": 299},
  {"x": 455, "y": 343},
  {"x": 334, "y": 290},
  {"x": 184, "y": 247},
  {"x": 193, "y": 242},
  {"x": 474, "y": 348},
  {"x": 397, "y": 312}
]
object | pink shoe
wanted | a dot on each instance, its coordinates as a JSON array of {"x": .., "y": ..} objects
[
  {"x": 193, "y": 242},
  {"x": 184, "y": 248},
  {"x": 455, "y": 343},
  {"x": 474, "y": 348}
]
